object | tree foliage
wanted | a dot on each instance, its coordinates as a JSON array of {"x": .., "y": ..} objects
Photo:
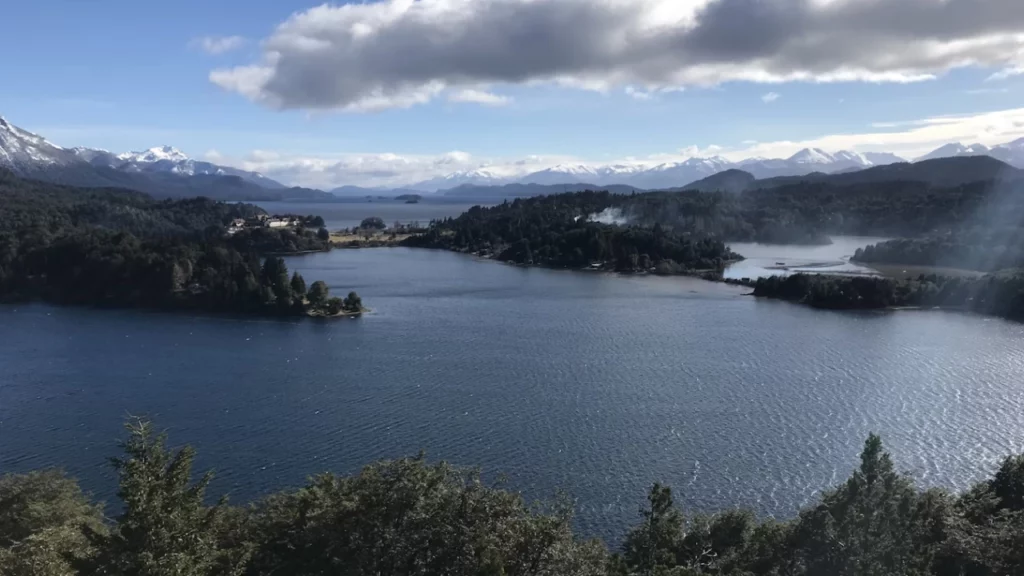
[
  {"x": 411, "y": 517},
  {"x": 1000, "y": 294},
  {"x": 120, "y": 248},
  {"x": 556, "y": 231}
]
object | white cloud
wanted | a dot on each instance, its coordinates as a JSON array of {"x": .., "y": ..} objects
[
  {"x": 474, "y": 96},
  {"x": 1007, "y": 73},
  {"x": 454, "y": 157},
  {"x": 397, "y": 53},
  {"x": 263, "y": 156},
  {"x": 638, "y": 94},
  {"x": 909, "y": 139},
  {"x": 379, "y": 169},
  {"x": 217, "y": 44},
  {"x": 915, "y": 137},
  {"x": 770, "y": 97}
]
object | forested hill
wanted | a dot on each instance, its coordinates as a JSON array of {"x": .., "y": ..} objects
[
  {"x": 937, "y": 172},
  {"x": 170, "y": 185},
  {"x": 572, "y": 229},
  {"x": 110, "y": 247},
  {"x": 33, "y": 205}
]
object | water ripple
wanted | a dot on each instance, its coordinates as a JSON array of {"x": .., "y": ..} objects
[{"x": 594, "y": 384}]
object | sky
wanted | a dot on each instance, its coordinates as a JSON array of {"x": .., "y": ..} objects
[{"x": 389, "y": 92}]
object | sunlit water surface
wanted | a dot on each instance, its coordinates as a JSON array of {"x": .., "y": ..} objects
[{"x": 596, "y": 384}]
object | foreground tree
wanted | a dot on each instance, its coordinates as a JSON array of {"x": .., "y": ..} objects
[
  {"x": 874, "y": 524},
  {"x": 412, "y": 518},
  {"x": 44, "y": 517},
  {"x": 166, "y": 529},
  {"x": 409, "y": 517}
]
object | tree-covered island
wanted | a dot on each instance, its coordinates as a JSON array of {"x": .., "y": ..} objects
[{"x": 116, "y": 248}]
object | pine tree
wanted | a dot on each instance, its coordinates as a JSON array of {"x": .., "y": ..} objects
[{"x": 166, "y": 529}]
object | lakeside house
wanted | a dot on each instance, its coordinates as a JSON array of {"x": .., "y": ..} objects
[{"x": 262, "y": 221}]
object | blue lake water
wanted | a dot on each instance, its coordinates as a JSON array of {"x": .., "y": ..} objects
[
  {"x": 592, "y": 383},
  {"x": 349, "y": 212}
]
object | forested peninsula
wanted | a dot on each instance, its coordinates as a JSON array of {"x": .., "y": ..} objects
[
  {"x": 411, "y": 517},
  {"x": 568, "y": 231},
  {"x": 977, "y": 226},
  {"x": 118, "y": 248}
]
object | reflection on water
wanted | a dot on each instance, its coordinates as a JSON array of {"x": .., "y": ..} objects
[{"x": 776, "y": 259}]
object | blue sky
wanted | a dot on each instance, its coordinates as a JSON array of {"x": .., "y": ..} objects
[{"x": 130, "y": 75}]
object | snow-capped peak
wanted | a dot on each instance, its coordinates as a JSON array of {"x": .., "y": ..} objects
[
  {"x": 155, "y": 155},
  {"x": 956, "y": 149},
  {"x": 812, "y": 156},
  {"x": 852, "y": 157},
  {"x": 571, "y": 169},
  {"x": 21, "y": 147}
]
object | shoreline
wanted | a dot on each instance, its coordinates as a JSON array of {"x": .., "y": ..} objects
[{"x": 342, "y": 314}]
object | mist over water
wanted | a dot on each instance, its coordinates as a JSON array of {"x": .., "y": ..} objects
[{"x": 597, "y": 384}]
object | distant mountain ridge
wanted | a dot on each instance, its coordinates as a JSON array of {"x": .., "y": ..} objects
[
  {"x": 945, "y": 172},
  {"x": 165, "y": 171},
  {"x": 1012, "y": 152},
  {"x": 952, "y": 171},
  {"x": 160, "y": 172},
  {"x": 676, "y": 175},
  {"x": 667, "y": 175}
]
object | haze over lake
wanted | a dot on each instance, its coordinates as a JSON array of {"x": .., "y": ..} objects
[{"x": 595, "y": 383}]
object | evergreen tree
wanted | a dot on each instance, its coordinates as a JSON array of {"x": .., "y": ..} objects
[
  {"x": 318, "y": 295},
  {"x": 166, "y": 529},
  {"x": 298, "y": 286},
  {"x": 655, "y": 542},
  {"x": 44, "y": 517}
]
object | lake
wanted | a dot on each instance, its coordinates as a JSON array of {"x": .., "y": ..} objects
[
  {"x": 774, "y": 259},
  {"x": 593, "y": 383},
  {"x": 349, "y": 212}
]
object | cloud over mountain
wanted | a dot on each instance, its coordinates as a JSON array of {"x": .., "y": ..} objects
[{"x": 397, "y": 53}]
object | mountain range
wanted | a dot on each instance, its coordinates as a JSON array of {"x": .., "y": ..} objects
[
  {"x": 676, "y": 174},
  {"x": 167, "y": 172},
  {"x": 945, "y": 171},
  {"x": 160, "y": 172}
]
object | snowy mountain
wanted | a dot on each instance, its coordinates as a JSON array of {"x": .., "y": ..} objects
[
  {"x": 1012, "y": 153},
  {"x": 22, "y": 150},
  {"x": 812, "y": 157},
  {"x": 167, "y": 153},
  {"x": 562, "y": 174},
  {"x": 956, "y": 149},
  {"x": 480, "y": 177},
  {"x": 671, "y": 174},
  {"x": 162, "y": 171},
  {"x": 882, "y": 158},
  {"x": 170, "y": 160}
]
